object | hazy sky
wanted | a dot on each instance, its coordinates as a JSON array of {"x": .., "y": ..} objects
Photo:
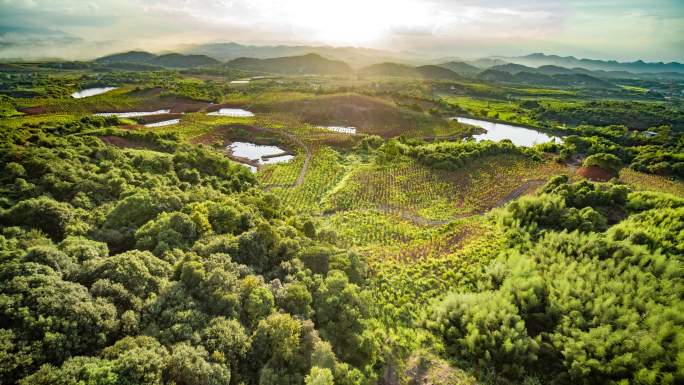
[{"x": 620, "y": 29}]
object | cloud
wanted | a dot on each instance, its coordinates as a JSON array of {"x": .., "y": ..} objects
[{"x": 625, "y": 29}]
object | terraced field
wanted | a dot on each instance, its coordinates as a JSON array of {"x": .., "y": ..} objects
[{"x": 413, "y": 189}]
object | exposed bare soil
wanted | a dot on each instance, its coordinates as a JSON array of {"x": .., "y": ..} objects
[
  {"x": 36, "y": 110},
  {"x": 369, "y": 115},
  {"x": 595, "y": 173}
]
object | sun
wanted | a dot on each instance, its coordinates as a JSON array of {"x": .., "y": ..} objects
[{"x": 353, "y": 22}]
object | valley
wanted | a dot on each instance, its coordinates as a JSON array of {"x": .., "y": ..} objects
[{"x": 392, "y": 224}]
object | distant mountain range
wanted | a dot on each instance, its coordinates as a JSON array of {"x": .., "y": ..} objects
[
  {"x": 639, "y": 66},
  {"x": 552, "y": 70},
  {"x": 354, "y": 56},
  {"x": 534, "y": 68},
  {"x": 170, "y": 60}
]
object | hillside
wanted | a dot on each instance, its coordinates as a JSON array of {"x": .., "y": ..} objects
[
  {"x": 461, "y": 68},
  {"x": 311, "y": 64},
  {"x": 127, "y": 57},
  {"x": 388, "y": 70},
  {"x": 432, "y": 72},
  {"x": 170, "y": 60},
  {"x": 514, "y": 73},
  {"x": 176, "y": 60}
]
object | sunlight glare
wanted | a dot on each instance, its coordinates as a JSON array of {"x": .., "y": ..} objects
[{"x": 354, "y": 21}]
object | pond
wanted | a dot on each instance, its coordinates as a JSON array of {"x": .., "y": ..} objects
[
  {"x": 91, "y": 92},
  {"x": 255, "y": 151},
  {"x": 340, "y": 129},
  {"x": 133, "y": 114},
  {"x": 520, "y": 136},
  {"x": 234, "y": 112},
  {"x": 163, "y": 123}
]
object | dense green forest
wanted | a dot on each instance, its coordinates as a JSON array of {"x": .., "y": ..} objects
[{"x": 390, "y": 248}]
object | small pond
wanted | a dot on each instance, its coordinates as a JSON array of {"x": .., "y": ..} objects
[
  {"x": 133, "y": 114},
  {"x": 234, "y": 112},
  {"x": 340, "y": 129},
  {"x": 163, "y": 123},
  {"x": 520, "y": 136},
  {"x": 91, "y": 92},
  {"x": 255, "y": 151}
]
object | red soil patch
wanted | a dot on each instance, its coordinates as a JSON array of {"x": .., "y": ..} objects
[
  {"x": 217, "y": 135},
  {"x": 121, "y": 142},
  {"x": 37, "y": 110},
  {"x": 176, "y": 105},
  {"x": 595, "y": 173}
]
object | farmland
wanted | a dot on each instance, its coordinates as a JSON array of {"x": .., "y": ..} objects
[{"x": 395, "y": 240}]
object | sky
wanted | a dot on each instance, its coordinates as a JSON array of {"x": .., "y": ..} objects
[{"x": 625, "y": 30}]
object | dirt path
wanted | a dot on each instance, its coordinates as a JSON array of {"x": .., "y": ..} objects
[{"x": 409, "y": 216}]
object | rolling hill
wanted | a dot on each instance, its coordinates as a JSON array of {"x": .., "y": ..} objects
[
  {"x": 309, "y": 64},
  {"x": 170, "y": 60},
  {"x": 510, "y": 73},
  {"x": 432, "y": 72},
  {"x": 461, "y": 68}
]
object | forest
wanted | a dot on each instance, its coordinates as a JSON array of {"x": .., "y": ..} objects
[{"x": 379, "y": 242}]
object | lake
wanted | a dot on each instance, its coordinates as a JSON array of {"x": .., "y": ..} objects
[
  {"x": 91, "y": 92},
  {"x": 163, "y": 123},
  {"x": 340, "y": 129},
  {"x": 520, "y": 136},
  {"x": 133, "y": 114},
  {"x": 234, "y": 112}
]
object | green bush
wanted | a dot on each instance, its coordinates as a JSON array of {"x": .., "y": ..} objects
[{"x": 608, "y": 162}]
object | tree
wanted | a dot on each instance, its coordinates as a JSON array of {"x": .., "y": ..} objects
[
  {"x": 190, "y": 365},
  {"x": 56, "y": 319},
  {"x": 608, "y": 162},
  {"x": 294, "y": 298},
  {"x": 52, "y": 217},
  {"x": 140, "y": 272},
  {"x": 341, "y": 311},
  {"x": 319, "y": 376},
  {"x": 486, "y": 328},
  {"x": 168, "y": 231},
  {"x": 138, "y": 360}
]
